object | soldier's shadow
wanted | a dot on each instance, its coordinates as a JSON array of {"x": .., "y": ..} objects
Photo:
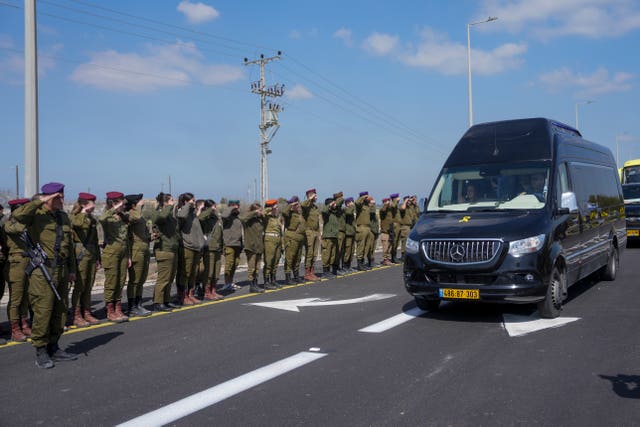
[
  {"x": 625, "y": 385},
  {"x": 88, "y": 344}
]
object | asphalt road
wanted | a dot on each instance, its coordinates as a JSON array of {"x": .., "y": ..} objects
[{"x": 256, "y": 365}]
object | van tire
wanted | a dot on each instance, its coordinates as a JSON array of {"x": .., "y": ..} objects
[
  {"x": 551, "y": 306},
  {"x": 610, "y": 271},
  {"x": 427, "y": 304}
]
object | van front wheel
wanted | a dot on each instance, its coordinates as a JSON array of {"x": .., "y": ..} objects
[{"x": 551, "y": 306}]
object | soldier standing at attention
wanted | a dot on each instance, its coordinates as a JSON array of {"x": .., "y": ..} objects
[
  {"x": 312, "y": 217},
  {"x": 165, "y": 249},
  {"x": 48, "y": 225},
  {"x": 253, "y": 244},
  {"x": 115, "y": 255},
  {"x": 139, "y": 242},
  {"x": 18, "y": 306},
  {"x": 349, "y": 215},
  {"x": 85, "y": 238},
  {"x": 330, "y": 227},
  {"x": 394, "y": 234},
  {"x": 192, "y": 244},
  {"x": 342, "y": 226},
  {"x": 374, "y": 233},
  {"x": 406, "y": 222},
  {"x": 294, "y": 238},
  {"x": 4, "y": 254},
  {"x": 232, "y": 237},
  {"x": 386, "y": 224},
  {"x": 272, "y": 243},
  {"x": 363, "y": 224},
  {"x": 212, "y": 253}
]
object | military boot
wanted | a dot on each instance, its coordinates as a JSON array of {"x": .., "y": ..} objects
[
  {"x": 111, "y": 313},
  {"x": 185, "y": 298},
  {"x": 26, "y": 329},
  {"x": 307, "y": 274},
  {"x": 78, "y": 320},
  {"x": 214, "y": 295},
  {"x": 326, "y": 272},
  {"x": 361, "y": 266},
  {"x": 89, "y": 317},
  {"x": 118, "y": 312},
  {"x": 207, "y": 293},
  {"x": 268, "y": 283},
  {"x": 254, "y": 288},
  {"x": 16, "y": 332},
  {"x": 296, "y": 276},
  {"x": 43, "y": 361},
  {"x": 192, "y": 296},
  {"x": 393, "y": 258},
  {"x": 141, "y": 310},
  {"x": 59, "y": 355},
  {"x": 274, "y": 282},
  {"x": 287, "y": 279}
]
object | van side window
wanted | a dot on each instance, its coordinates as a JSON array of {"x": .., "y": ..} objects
[
  {"x": 562, "y": 182},
  {"x": 595, "y": 186}
]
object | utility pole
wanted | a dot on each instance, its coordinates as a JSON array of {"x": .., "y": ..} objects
[
  {"x": 31, "y": 155},
  {"x": 268, "y": 118},
  {"x": 17, "y": 183}
]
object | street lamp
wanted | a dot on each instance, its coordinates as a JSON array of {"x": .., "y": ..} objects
[
  {"x": 578, "y": 103},
  {"x": 469, "y": 25}
]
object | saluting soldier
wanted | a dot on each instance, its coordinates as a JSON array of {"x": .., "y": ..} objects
[
  {"x": 4, "y": 253},
  {"x": 363, "y": 221},
  {"x": 18, "y": 306},
  {"x": 394, "y": 235},
  {"x": 386, "y": 225},
  {"x": 212, "y": 253},
  {"x": 406, "y": 216},
  {"x": 165, "y": 250},
  {"x": 192, "y": 244},
  {"x": 115, "y": 255},
  {"x": 232, "y": 236},
  {"x": 349, "y": 234},
  {"x": 312, "y": 217},
  {"x": 49, "y": 225},
  {"x": 294, "y": 237},
  {"x": 330, "y": 229},
  {"x": 253, "y": 244},
  {"x": 374, "y": 227},
  {"x": 140, "y": 254},
  {"x": 272, "y": 243},
  {"x": 85, "y": 238}
]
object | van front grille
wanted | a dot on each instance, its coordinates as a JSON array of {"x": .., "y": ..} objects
[{"x": 460, "y": 252}]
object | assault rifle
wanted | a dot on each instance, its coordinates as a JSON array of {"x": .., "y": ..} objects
[{"x": 37, "y": 258}]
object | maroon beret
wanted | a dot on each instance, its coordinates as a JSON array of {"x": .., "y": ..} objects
[
  {"x": 52, "y": 188},
  {"x": 386, "y": 199},
  {"x": 18, "y": 202},
  {"x": 87, "y": 196},
  {"x": 115, "y": 195}
]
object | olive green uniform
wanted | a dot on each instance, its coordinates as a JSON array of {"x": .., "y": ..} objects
[
  {"x": 85, "y": 238},
  {"x": 311, "y": 216},
  {"x": 4, "y": 254},
  {"x": 395, "y": 236},
  {"x": 15, "y": 276},
  {"x": 46, "y": 228},
  {"x": 406, "y": 222},
  {"x": 294, "y": 237},
  {"x": 272, "y": 243},
  {"x": 139, "y": 242},
  {"x": 386, "y": 224},
  {"x": 165, "y": 249},
  {"x": 232, "y": 236},
  {"x": 374, "y": 232},
  {"x": 330, "y": 230},
  {"x": 115, "y": 255},
  {"x": 212, "y": 255},
  {"x": 253, "y": 242},
  {"x": 363, "y": 230},
  {"x": 349, "y": 235},
  {"x": 192, "y": 239}
]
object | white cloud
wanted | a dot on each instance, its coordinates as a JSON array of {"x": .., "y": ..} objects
[
  {"x": 12, "y": 60},
  {"x": 299, "y": 92},
  {"x": 295, "y": 34},
  {"x": 179, "y": 64},
  {"x": 345, "y": 35},
  {"x": 197, "y": 13},
  {"x": 380, "y": 44},
  {"x": 588, "y": 85},
  {"x": 554, "y": 18},
  {"x": 435, "y": 51}
]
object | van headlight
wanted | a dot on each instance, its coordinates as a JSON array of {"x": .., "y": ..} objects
[
  {"x": 412, "y": 246},
  {"x": 526, "y": 246}
]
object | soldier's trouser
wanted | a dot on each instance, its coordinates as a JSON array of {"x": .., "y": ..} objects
[
  {"x": 347, "y": 256},
  {"x": 293, "y": 243},
  {"x": 329, "y": 251},
  {"x": 362, "y": 237},
  {"x": 311, "y": 248},
  {"x": 167, "y": 267},
  {"x": 340, "y": 247},
  {"x": 114, "y": 262},
  {"x": 368, "y": 249},
  {"x": 85, "y": 277},
  {"x": 211, "y": 264},
  {"x": 386, "y": 246},
  {"x": 190, "y": 261},
  {"x": 396, "y": 239},
  {"x": 253, "y": 264},
  {"x": 272, "y": 253},
  {"x": 3, "y": 277},
  {"x": 231, "y": 261},
  {"x": 138, "y": 271},
  {"x": 372, "y": 246},
  {"x": 18, "y": 287},
  {"x": 402, "y": 237},
  {"x": 49, "y": 314}
]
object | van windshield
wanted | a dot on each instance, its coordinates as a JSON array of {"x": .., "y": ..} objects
[{"x": 492, "y": 187}]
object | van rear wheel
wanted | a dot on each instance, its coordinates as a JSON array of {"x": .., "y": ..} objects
[
  {"x": 427, "y": 304},
  {"x": 611, "y": 269},
  {"x": 551, "y": 306}
]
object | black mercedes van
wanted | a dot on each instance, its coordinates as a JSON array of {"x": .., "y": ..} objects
[{"x": 521, "y": 210}]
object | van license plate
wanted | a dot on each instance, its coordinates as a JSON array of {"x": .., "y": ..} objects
[
  {"x": 633, "y": 233},
  {"x": 460, "y": 293}
]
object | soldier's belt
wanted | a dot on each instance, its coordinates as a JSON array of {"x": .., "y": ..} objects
[{"x": 272, "y": 234}]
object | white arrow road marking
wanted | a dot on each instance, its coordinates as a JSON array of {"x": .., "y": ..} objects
[
  {"x": 213, "y": 395},
  {"x": 292, "y": 305},
  {"x": 517, "y": 326},
  {"x": 394, "y": 321}
]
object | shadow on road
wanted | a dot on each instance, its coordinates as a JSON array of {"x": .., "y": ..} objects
[
  {"x": 625, "y": 385},
  {"x": 88, "y": 344}
]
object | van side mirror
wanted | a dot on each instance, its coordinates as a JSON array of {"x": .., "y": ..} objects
[{"x": 568, "y": 203}]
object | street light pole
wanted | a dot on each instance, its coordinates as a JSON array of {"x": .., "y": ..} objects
[
  {"x": 469, "y": 25},
  {"x": 578, "y": 103}
]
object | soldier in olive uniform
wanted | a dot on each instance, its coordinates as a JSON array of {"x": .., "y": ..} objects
[
  {"x": 253, "y": 244},
  {"x": 386, "y": 225},
  {"x": 115, "y": 255},
  {"x": 394, "y": 235},
  {"x": 18, "y": 306},
  {"x": 349, "y": 234},
  {"x": 232, "y": 236},
  {"x": 330, "y": 229},
  {"x": 4, "y": 253},
  {"x": 374, "y": 227},
  {"x": 294, "y": 237},
  {"x": 272, "y": 243},
  {"x": 363, "y": 229},
  {"x": 406, "y": 216},
  {"x": 165, "y": 250},
  {"x": 140, "y": 254},
  {"x": 192, "y": 244},
  {"x": 85, "y": 238},
  {"x": 312, "y": 217},
  {"x": 212, "y": 254},
  {"x": 49, "y": 226}
]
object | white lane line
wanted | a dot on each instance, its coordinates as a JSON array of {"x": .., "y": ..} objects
[
  {"x": 213, "y": 395},
  {"x": 394, "y": 321}
]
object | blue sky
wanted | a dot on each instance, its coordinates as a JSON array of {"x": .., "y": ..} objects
[{"x": 132, "y": 92}]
